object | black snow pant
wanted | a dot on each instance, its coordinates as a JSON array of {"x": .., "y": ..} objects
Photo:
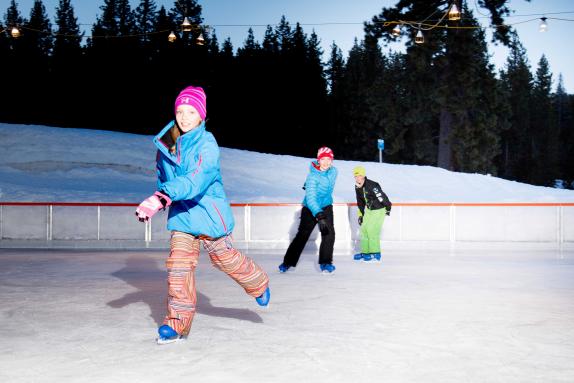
[{"x": 306, "y": 226}]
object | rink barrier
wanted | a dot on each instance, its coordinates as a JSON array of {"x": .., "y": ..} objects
[{"x": 273, "y": 225}]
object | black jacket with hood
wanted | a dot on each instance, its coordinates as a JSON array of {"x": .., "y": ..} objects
[{"x": 372, "y": 196}]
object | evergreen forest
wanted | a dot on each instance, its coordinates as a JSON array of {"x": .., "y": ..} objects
[{"x": 439, "y": 103}]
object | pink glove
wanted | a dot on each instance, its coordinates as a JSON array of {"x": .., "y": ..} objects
[{"x": 152, "y": 205}]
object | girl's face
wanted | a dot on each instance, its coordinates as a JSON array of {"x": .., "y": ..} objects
[
  {"x": 325, "y": 163},
  {"x": 187, "y": 117}
]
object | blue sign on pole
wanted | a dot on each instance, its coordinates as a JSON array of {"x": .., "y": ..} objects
[{"x": 381, "y": 144}]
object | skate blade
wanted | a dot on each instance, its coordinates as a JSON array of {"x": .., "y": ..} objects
[{"x": 161, "y": 341}]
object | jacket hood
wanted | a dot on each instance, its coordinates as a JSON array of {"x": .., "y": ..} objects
[
  {"x": 315, "y": 167},
  {"x": 185, "y": 140}
]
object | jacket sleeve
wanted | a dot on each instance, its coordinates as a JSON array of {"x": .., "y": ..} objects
[
  {"x": 386, "y": 201},
  {"x": 311, "y": 195},
  {"x": 161, "y": 177},
  {"x": 196, "y": 181},
  {"x": 360, "y": 200}
]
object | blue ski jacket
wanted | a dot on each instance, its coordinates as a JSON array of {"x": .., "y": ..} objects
[
  {"x": 191, "y": 178},
  {"x": 319, "y": 187}
]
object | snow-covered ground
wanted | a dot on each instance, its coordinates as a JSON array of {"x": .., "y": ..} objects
[{"x": 46, "y": 164}]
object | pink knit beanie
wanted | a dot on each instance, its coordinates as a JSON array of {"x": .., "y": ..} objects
[
  {"x": 325, "y": 152},
  {"x": 194, "y": 96}
]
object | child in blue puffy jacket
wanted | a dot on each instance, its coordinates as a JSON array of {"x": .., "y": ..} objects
[
  {"x": 189, "y": 183},
  {"x": 317, "y": 209}
]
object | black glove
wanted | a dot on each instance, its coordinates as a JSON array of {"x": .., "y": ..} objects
[
  {"x": 322, "y": 220},
  {"x": 388, "y": 211},
  {"x": 360, "y": 220}
]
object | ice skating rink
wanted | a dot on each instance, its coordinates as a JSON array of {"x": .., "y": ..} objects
[{"x": 419, "y": 316}]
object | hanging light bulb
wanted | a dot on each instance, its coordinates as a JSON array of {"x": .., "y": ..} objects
[
  {"x": 200, "y": 40},
  {"x": 396, "y": 32},
  {"x": 419, "y": 38},
  {"x": 186, "y": 25},
  {"x": 453, "y": 13},
  {"x": 172, "y": 37},
  {"x": 543, "y": 26},
  {"x": 15, "y": 32}
]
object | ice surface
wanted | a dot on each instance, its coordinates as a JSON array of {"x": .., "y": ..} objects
[{"x": 419, "y": 316}]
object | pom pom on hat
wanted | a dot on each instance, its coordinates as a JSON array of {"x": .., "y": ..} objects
[
  {"x": 194, "y": 96},
  {"x": 325, "y": 152},
  {"x": 359, "y": 171}
]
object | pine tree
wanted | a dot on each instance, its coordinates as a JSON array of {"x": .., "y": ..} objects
[
  {"x": 15, "y": 64},
  {"x": 335, "y": 67},
  {"x": 67, "y": 42},
  {"x": 5, "y": 64},
  {"x": 145, "y": 16},
  {"x": 472, "y": 97},
  {"x": 270, "y": 42},
  {"x": 67, "y": 68},
  {"x": 359, "y": 123},
  {"x": 394, "y": 107},
  {"x": 12, "y": 18},
  {"x": 517, "y": 82},
  {"x": 544, "y": 134},
  {"x": 284, "y": 35},
  {"x": 38, "y": 38},
  {"x": 250, "y": 46},
  {"x": 212, "y": 43},
  {"x": 159, "y": 41},
  {"x": 563, "y": 110}
]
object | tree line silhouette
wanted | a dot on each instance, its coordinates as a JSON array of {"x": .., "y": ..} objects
[{"x": 440, "y": 103}]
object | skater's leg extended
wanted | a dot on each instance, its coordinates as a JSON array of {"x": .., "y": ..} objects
[
  {"x": 240, "y": 268},
  {"x": 306, "y": 226},
  {"x": 181, "y": 264}
]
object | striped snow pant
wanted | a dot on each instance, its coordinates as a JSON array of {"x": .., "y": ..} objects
[{"x": 181, "y": 264}]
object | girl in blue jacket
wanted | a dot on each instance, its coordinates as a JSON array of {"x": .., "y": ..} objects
[
  {"x": 189, "y": 183},
  {"x": 317, "y": 208}
]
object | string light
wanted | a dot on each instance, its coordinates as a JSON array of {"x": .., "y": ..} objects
[
  {"x": 453, "y": 13},
  {"x": 419, "y": 38},
  {"x": 186, "y": 25},
  {"x": 543, "y": 26},
  {"x": 396, "y": 32},
  {"x": 200, "y": 40},
  {"x": 15, "y": 32}
]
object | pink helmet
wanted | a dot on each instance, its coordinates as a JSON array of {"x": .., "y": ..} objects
[
  {"x": 194, "y": 96},
  {"x": 325, "y": 152}
]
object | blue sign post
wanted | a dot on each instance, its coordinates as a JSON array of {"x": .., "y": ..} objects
[{"x": 381, "y": 146}]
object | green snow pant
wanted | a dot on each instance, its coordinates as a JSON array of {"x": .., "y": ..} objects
[{"x": 371, "y": 230}]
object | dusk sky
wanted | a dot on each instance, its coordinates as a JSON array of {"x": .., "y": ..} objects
[{"x": 311, "y": 13}]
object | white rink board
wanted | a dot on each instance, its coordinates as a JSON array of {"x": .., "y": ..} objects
[{"x": 274, "y": 226}]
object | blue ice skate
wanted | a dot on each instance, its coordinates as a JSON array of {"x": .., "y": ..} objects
[
  {"x": 367, "y": 257},
  {"x": 376, "y": 257},
  {"x": 327, "y": 268},
  {"x": 283, "y": 268},
  {"x": 263, "y": 299},
  {"x": 167, "y": 335},
  {"x": 358, "y": 257}
]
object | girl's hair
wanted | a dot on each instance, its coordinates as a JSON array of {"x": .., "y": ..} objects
[{"x": 171, "y": 136}]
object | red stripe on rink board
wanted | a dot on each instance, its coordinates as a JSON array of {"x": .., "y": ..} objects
[{"x": 431, "y": 204}]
